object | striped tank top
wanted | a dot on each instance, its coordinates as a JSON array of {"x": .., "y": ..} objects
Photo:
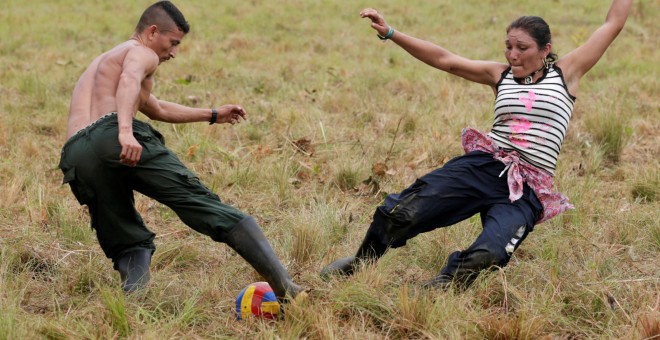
[{"x": 533, "y": 119}]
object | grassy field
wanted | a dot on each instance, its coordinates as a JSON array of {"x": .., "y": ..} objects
[{"x": 326, "y": 102}]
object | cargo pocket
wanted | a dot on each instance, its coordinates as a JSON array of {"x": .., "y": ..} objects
[
  {"x": 151, "y": 146},
  {"x": 142, "y": 137},
  {"x": 152, "y": 136},
  {"x": 402, "y": 213},
  {"x": 82, "y": 193},
  {"x": 195, "y": 185},
  {"x": 158, "y": 135}
]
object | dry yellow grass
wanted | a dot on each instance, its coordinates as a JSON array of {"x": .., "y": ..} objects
[{"x": 326, "y": 100}]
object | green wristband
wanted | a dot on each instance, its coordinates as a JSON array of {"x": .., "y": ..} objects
[{"x": 390, "y": 33}]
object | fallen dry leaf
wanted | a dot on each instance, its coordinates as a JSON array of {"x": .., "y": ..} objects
[
  {"x": 379, "y": 169},
  {"x": 191, "y": 151},
  {"x": 304, "y": 145}
]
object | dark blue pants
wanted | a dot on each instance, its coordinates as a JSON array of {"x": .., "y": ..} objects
[{"x": 466, "y": 185}]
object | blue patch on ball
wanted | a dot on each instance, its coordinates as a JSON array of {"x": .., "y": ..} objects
[{"x": 257, "y": 299}]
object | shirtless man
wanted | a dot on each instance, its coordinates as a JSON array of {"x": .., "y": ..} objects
[{"x": 109, "y": 154}]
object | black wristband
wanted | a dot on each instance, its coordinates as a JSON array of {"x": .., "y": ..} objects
[{"x": 214, "y": 116}]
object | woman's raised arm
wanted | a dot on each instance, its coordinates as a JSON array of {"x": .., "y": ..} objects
[
  {"x": 483, "y": 72},
  {"x": 579, "y": 61}
]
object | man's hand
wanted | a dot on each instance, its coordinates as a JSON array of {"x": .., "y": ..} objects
[
  {"x": 231, "y": 114},
  {"x": 377, "y": 20},
  {"x": 131, "y": 150}
]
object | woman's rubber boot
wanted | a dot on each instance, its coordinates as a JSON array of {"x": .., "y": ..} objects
[
  {"x": 461, "y": 270},
  {"x": 247, "y": 239},
  {"x": 133, "y": 267},
  {"x": 370, "y": 250}
]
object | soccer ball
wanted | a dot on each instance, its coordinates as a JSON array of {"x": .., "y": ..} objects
[{"x": 257, "y": 299}]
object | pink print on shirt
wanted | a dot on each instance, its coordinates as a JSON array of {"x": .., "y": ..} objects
[
  {"x": 518, "y": 126},
  {"x": 529, "y": 100}
]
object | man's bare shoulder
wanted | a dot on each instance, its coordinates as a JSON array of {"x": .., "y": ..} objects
[
  {"x": 144, "y": 57},
  {"x": 118, "y": 53},
  {"x": 94, "y": 94},
  {"x": 130, "y": 57}
]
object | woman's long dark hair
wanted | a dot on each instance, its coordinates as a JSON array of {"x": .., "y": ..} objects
[{"x": 539, "y": 30}]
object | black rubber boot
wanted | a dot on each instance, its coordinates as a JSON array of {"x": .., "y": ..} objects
[
  {"x": 247, "y": 239},
  {"x": 133, "y": 267},
  {"x": 370, "y": 250},
  {"x": 461, "y": 270}
]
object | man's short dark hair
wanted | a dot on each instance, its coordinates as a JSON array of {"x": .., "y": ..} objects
[{"x": 162, "y": 14}]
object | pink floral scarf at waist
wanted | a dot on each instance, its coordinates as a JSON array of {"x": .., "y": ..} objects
[{"x": 518, "y": 173}]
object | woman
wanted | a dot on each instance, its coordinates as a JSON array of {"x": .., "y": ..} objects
[{"x": 505, "y": 175}]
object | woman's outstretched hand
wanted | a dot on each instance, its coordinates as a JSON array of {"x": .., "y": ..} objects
[{"x": 377, "y": 20}]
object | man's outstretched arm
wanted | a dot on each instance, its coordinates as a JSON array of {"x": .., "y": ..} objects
[{"x": 165, "y": 111}]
